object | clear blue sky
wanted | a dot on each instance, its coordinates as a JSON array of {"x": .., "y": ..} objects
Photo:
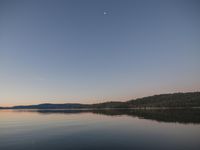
[{"x": 91, "y": 51}]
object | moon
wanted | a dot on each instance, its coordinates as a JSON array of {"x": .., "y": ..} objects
[{"x": 105, "y": 13}]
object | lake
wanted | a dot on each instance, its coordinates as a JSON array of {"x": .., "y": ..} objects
[{"x": 100, "y": 129}]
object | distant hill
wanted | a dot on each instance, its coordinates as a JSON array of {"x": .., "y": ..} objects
[
  {"x": 164, "y": 100},
  {"x": 52, "y": 106},
  {"x": 110, "y": 105}
]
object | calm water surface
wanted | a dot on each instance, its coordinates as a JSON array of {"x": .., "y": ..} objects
[{"x": 106, "y": 130}]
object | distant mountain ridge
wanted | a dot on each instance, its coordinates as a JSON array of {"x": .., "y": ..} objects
[
  {"x": 174, "y": 100},
  {"x": 52, "y": 106}
]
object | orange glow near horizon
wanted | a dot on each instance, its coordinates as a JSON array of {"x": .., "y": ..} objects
[{"x": 10, "y": 102}]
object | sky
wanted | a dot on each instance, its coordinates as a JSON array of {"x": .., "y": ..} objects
[{"x": 90, "y": 51}]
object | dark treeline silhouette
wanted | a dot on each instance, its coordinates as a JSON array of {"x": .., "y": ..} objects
[
  {"x": 168, "y": 100},
  {"x": 185, "y": 100},
  {"x": 163, "y": 100}
]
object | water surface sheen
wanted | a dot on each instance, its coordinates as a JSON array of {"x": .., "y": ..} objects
[{"x": 99, "y": 130}]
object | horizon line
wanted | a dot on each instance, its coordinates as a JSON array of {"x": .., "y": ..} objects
[{"x": 98, "y": 102}]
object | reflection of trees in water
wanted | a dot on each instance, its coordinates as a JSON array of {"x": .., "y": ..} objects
[{"x": 161, "y": 115}]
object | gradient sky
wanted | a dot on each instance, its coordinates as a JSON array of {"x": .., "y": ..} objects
[{"x": 92, "y": 51}]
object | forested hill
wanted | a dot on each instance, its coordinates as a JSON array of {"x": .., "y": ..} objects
[
  {"x": 168, "y": 100},
  {"x": 164, "y": 100}
]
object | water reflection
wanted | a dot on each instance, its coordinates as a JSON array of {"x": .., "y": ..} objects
[
  {"x": 183, "y": 116},
  {"x": 99, "y": 129}
]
